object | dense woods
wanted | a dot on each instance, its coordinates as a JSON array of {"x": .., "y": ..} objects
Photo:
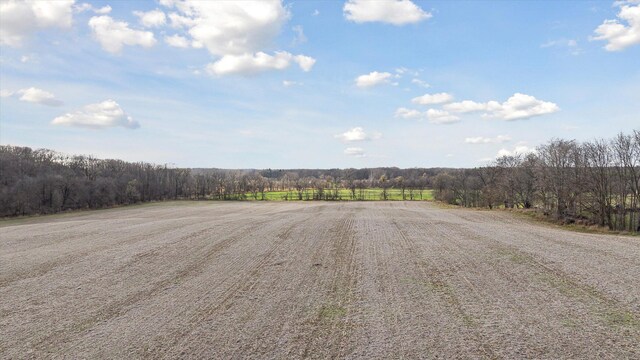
[{"x": 594, "y": 182}]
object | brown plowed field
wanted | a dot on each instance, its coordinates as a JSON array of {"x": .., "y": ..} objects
[{"x": 313, "y": 280}]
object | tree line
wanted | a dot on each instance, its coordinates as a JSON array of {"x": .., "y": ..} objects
[
  {"x": 43, "y": 181},
  {"x": 593, "y": 182}
]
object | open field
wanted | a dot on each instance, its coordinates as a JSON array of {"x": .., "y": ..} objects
[{"x": 313, "y": 280}]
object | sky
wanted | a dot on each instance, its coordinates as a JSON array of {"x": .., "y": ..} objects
[{"x": 315, "y": 84}]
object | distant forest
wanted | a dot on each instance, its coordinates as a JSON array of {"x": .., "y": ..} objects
[{"x": 594, "y": 182}]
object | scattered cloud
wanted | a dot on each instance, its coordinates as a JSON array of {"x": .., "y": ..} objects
[
  {"x": 248, "y": 64},
  {"x": 315, "y": 12},
  {"x": 38, "y": 96},
  {"x": 396, "y": 12},
  {"x": 420, "y": 83},
  {"x": 518, "y": 106},
  {"x": 465, "y": 106},
  {"x": 290, "y": 83},
  {"x": 299, "y": 38},
  {"x": 518, "y": 150},
  {"x": 618, "y": 35},
  {"x": 430, "y": 99},
  {"x": 408, "y": 113},
  {"x": 88, "y": 7},
  {"x": 6, "y": 93},
  {"x": 97, "y": 116},
  {"x": 151, "y": 19},
  {"x": 355, "y": 152},
  {"x": 20, "y": 19},
  {"x": 372, "y": 79},
  {"x": 357, "y": 134},
  {"x": 487, "y": 140},
  {"x": 570, "y": 44},
  {"x": 436, "y": 116},
  {"x": 113, "y": 35},
  {"x": 177, "y": 41}
]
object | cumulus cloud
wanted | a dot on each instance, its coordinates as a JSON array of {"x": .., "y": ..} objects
[
  {"x": 19, "y": 19},
  {"x": 465, "y": 106},
  {"x": 6, "y": 93},
  {"x": 177, "y": 41},
  {"x": 153, "y": 18},
  {"x": 518, "y": 106},
  {"x": 396, "y": 12},
  {"x": 430, "y": 99},
  {"x": 113, "y": 35},
  {"x": 98, "y": 116},
  {"x": 436, "y": 116},
  {"x": 38, "y": 96},
  {"x": 372, "y": 79},
  {"x": 357, "y": 134},
  {"x": 619, "y": 35},
  {"x": 354, "y": 151},
  {"x": 408, "y": 113},
  {"x": 88, "y": 7},
  {"x": 236, "y": 32},
  {"x": 487, "y": 140},
  {"x": 518, "y": 150},
  {"x": 249, "y": 64}
]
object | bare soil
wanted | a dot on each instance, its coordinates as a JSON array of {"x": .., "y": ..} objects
[{"x": 314, "y": 280}]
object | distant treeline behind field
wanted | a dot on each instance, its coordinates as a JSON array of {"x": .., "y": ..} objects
[{"x": 593, "y": 182}]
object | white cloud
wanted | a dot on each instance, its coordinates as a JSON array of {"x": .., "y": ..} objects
[
  {"x": 305, "y": 62},
  {"x": 315, "y": 12},
  {"x": 38, "y": 96},
  {"x": 19, "y": 19},
  {"x": 236, "y": 32},
  {"x": 408, "y": 113},
  {"x": 88, "y": 7},
  {"x": 6, "y": 93},
  {"x": 354, "y": 151},
  {"x": 618, "y": 35},
  {"x": 420, "y": 83},
  {"x": 248, "y": 64},
  {"x": 177, "y": 41},
  {"x": 571, "y": 45},
  {"x": 429, "y": 99},
  {"x": 396, "y": 12},
  {"x": 357, "y": 134},
  {"x": 518, "y": 150},
  {"x": 101, "y": 115},
  {"x": 290, "y": 83},
  {"x": 486, "y": 140},
  {"x": 518, "y": 106},
  {"x": 231, "y": 27},
  {"x": 465, "y": 106},
  {"x": 113, "y": 35},
  {"x": 300, "y": 38},
  {"x": 436, "y": 116},
  {"x": 150, "y": 19},
  {"x": 372, "y": 79}
]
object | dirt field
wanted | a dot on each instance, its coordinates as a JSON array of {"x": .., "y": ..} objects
[{"x": 314, "y": 280}]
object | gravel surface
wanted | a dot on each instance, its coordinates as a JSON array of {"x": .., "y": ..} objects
[{"x": 314, "y": 280}]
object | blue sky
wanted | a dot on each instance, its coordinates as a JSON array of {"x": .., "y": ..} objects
[{"x": 304, "y": 84}]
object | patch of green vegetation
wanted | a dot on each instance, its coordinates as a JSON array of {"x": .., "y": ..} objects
[
  {"x": 617, "y": 317},
  {"x": 332, "y": 312},
  {"x": 343, "y": 194}
]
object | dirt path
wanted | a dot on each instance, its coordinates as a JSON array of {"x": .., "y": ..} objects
[{"x": 314, "y": 280}]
